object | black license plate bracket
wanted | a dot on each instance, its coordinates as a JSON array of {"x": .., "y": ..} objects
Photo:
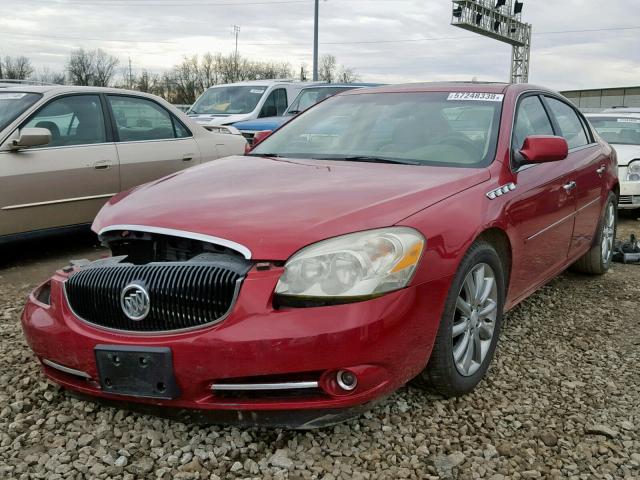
[{"x": 137, "y": 371}]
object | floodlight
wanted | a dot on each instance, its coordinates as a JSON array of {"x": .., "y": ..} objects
[
  {"x": 517, "y": 7},
  {"x": 498, "y": 20}
]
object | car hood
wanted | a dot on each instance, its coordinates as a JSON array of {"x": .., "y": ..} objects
[
  {"x": 206, "y": 119},
  {"x": 274, "y": 207},
  {"x": 268, "y": 123},
  {"x": 626, "y": 153}
]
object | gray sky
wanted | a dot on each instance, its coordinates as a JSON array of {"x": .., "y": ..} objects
[{"x": 155, "y": 34}]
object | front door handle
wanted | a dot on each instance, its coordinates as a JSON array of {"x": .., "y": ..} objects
[
  {"x": 601, "y": 170},
  {"x": 570, "y": 186},
  {"x": 102, "y": 165},
  {"x": 188, "y": 157}
]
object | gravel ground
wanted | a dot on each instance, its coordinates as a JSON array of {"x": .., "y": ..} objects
[{"x": 562, "y": 401}]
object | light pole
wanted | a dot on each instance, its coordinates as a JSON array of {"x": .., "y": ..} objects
[
  {"x": 315, "y": 42},
  {"x": 236, "y": 31}
]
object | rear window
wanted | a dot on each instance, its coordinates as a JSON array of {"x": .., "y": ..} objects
[
  {"x": 618, "y": 130},
  {"x": 13, "y": 104}
]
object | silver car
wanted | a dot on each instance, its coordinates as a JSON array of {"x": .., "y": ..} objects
[{"x": 65, "y": 150}]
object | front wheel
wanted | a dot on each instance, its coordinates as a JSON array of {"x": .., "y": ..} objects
[
  {"x": 470, "y": 324},
  {"x": 597, "y": 260}
]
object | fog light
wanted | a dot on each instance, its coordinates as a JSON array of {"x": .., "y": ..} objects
[{"x": 346, "y": 380}]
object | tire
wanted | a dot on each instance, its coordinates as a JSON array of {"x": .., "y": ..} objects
[
  {"x": 596, "y": 261},
  {"x": 444, "y": 374}
]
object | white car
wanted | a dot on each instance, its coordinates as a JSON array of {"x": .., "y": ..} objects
[
  {"x": 65, "y": 150},
  {"x": 621, "y": 128},
  {"x": 238, "y": 102}
]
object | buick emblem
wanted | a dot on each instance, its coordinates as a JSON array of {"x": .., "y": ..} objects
[{"x": 135, "y": 302}]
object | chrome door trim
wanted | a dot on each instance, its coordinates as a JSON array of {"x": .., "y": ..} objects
[
  {"x": 182, "y": 233},
  {"x": 55, "y": 202},
  {"x": 555, "y": 224},
  {"x": 588, "y": 204}
]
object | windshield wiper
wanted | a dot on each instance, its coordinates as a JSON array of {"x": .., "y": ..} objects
[{"x": 369, "y": 158}]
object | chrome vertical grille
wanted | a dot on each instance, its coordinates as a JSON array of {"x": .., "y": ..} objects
[{"x": 182, "y": 295}]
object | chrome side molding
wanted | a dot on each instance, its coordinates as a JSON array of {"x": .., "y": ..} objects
[
  {"x": 70, "y": 371},
  {"x": 252, "y": 387},
  {"x": 498, "y": 192}
]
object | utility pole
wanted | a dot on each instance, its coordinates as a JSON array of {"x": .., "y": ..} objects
[
  {"x": 236, "y": 31},
  {"x": 130, "y": 76},
  {"x": 315, "y": 42}
]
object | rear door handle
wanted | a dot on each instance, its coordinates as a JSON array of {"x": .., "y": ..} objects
[
  {"x": 601, "y": 170},
  {"x": 570, "y": 186},
  {"x": 188, "y": 157}
]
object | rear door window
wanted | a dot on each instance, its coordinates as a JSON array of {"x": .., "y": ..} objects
[
  {"x": 571, "y": 127},
  {"x": 72, "y": 120},
  {"x": 139, "y": 119}
]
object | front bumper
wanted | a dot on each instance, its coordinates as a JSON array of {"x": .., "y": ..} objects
[
  {"x": 629, "y": 191},
  {"x": 385, "y": 342}
]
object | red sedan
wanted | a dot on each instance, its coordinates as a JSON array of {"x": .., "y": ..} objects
[{"x": 377, "y": 238}]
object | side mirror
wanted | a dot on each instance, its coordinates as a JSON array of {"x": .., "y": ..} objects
[
  {"x": 542, "y": 149},
  {"x": 31, "y": 137}
]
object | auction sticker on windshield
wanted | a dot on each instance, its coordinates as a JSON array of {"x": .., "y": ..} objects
[
  {"x": 476, "y": 96},
  {"x": 628, "y": 120},
  {"x": 256, "y": 90}
]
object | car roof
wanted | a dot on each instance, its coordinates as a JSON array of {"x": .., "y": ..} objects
[
  {"x": 475, "y": 87},
  {"x": 617, "y": 114},
  {"x": 624, "y": 110},
  {"x": 261, "y": 83},
  {"x": 342, "y": 85},
  {"x": 57, "y": 89}
]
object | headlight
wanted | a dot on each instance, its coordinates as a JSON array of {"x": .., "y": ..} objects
[
  {"x": 353, "y": 267},
  {"x": 633, "y": 171}
]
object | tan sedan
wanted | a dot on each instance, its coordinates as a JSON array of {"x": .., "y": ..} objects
[{"x": 65, "y": 150}]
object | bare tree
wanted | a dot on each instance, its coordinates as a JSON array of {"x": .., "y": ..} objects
[
  {"x": 104, "y": 68},
  {"x": 347, "y": 75},
  {"x": 45, "y": 75},
  {"x": 80, "y": 67},
  {"x": 95, "y": 67},
  {"x": 17, "y": 68},
  {"x": 327, "y": 68},
  {"x": 304, "y": 72}
]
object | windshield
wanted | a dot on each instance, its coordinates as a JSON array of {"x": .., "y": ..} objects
[
  {"x": 310, "y": 96},
  {"x": 620, "y": 130},
  {"x": 447, "y": 129},
  {"x": 12, "y": 104},
  {"x": 228, "y": 100}
]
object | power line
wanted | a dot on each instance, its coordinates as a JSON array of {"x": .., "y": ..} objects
[{"x": 155, "y": 3}]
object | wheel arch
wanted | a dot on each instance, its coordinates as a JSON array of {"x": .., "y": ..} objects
[{"x": 499, "y": 239}]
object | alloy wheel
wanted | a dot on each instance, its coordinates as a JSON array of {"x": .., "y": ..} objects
[
  {"x": 608, "y": 233},
  {"x": 474, "y": 319}
]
